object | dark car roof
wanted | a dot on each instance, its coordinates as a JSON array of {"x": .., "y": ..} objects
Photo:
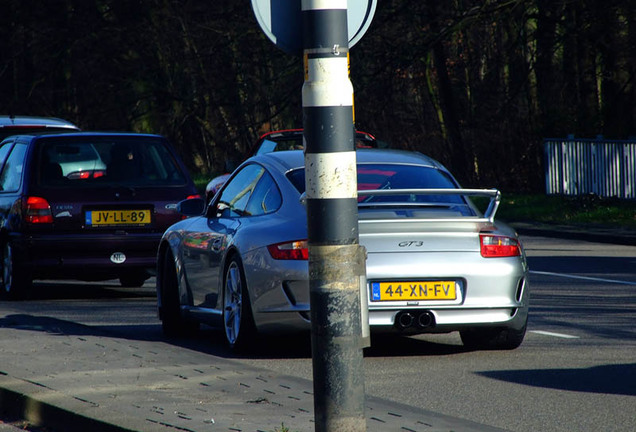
[
  {"x": 295, "y": 158},
  {"x": 71, "y": 135},
  {"x": 363, "y": 139},
  {"x": 290, "y": 133}
]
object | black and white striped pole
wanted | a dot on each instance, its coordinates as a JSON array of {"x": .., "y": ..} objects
[
  {"x": 322, "y": 31},
  {"x": 336, "y": 260}
]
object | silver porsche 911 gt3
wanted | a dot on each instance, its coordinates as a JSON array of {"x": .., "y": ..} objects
[{"x": 435, "y": 262}]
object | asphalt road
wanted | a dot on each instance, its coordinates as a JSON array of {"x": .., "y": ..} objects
[{"x": 575, "y": 371}]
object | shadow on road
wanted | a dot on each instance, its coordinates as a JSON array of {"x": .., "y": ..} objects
[
  {"x": 615, "y": 379},
  {"x": 211, "y": 341},
  {"x": 207, "y": 340}
]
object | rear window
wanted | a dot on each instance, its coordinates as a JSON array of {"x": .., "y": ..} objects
[
  {"x": 106, "y": 161},
  {"x": 394, "y": 176}
]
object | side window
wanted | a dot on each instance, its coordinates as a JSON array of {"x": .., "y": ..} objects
[
  {"x": 4, "y": 151},
  {"x": 266, "y": 198},
  {"x": 159, "y": 164},
  {"x": 237, "y": 192},
  {"x": 11, "y": 174}
]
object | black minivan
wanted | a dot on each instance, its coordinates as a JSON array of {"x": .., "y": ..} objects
[{"x": 86, "y": 206}]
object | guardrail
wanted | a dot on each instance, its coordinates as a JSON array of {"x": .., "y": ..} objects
[{"x": 575, "y": 166}]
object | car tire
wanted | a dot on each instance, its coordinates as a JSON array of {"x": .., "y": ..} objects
[
  {"x": 238, "y": 321},
  {"x": 173, "y": 323},
  {"x": 493, "y": 338},
  {"x": 133, "y": 280},
  {"x": 15, "y": 282}
]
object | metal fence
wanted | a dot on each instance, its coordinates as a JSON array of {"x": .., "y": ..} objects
[{"x": 603, "y": 167}]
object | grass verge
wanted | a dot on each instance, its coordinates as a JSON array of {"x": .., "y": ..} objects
[{"x": 567, "y": 210}]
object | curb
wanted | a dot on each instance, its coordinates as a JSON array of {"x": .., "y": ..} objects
[{"x": 16, "y": 403}]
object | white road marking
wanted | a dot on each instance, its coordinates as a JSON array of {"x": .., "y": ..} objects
[
  {"x": 614, "y": 281},
  {"x": 559, "y": 335}
]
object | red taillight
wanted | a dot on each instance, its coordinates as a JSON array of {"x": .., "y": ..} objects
[
  {"x": 193, "y": 196},
  {"x": 494, "y": 246},
  {"x": 296, "y": 250},
  {"x": 38, "y": 211},
  {"x": 80, "y": 175},
  {"x": 83, "y": 175}
]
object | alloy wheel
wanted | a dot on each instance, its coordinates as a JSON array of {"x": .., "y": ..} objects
[{"x": 233, "y": 302}]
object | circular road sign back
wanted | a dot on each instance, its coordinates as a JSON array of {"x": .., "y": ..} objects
[{"x": 281, "y": 20}]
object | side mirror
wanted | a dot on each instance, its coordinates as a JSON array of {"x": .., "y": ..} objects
[
  {"x": 221, "y": 208},
  {"x": 191, "y": 207}
]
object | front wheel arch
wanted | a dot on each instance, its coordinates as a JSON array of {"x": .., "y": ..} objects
[{"x": 173, "y": 322}]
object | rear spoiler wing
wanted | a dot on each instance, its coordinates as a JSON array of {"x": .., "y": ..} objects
[{"x": 493, "y": 194}]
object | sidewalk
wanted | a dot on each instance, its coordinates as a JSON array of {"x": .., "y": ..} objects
[{"x": 70, "y": 378}]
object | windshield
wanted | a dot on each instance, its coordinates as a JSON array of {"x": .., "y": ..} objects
[{"x": 107, "y": 161}]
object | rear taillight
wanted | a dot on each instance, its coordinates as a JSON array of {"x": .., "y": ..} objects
[
  {"x": 494, "y": 246},
  {"x": 296, "y": 250},
  {"x": 38, "y": 211},
  {"x": 79, "y": 175},
  {"x": 83, "y": 175},
  {"x": 193, "y": 196}
]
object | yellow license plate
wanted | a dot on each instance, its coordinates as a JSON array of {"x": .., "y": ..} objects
[
  {"x": 413, "y": 290},
  {"x": 117, "y": 218}
]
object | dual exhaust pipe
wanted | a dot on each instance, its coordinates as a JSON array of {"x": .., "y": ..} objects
[{"x": 414, "y": 319}]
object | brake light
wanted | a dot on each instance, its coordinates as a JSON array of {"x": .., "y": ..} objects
[
  {"x": 83, "y": 175},
  {"x": 296, "y": 250},
  {"x": 80, "y": 175},
  {"x": 193, "y": 196},
  {"x": 494, "y": 246},
  {"x": 38, "y": 211}
]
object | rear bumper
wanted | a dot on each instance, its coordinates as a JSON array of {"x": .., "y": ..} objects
[
  {"x": 448, "y": 320},
  {"x": 87, "y": 257}
]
